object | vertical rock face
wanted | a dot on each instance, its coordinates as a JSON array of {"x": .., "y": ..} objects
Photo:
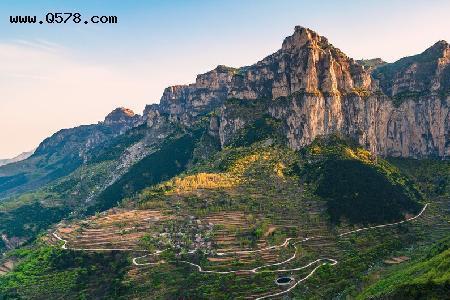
[
  {"x": 415, "y": 129},
  {"x": 398, "y": 109},
  {"x": 158, "y": 124},
  {"x": 185, "y": 102}
]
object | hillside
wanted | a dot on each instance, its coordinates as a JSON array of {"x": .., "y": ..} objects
[
  {"x": 358, "y": 187},
  {"x": 242, "y": 199},
  {"x": 428, "y": 277},
  {"x": 62, "y": 153}
]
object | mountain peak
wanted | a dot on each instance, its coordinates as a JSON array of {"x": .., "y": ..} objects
[
  {"x": 439, "y": 49},
  {"x": 441, "y": 43},
  {"x": 20, "y": 157},
  {"x": 121, "y": 115},
  {"x": 301, "y": 37}
]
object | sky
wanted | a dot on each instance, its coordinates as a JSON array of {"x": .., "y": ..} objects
[{"x": 55, "y": 76}]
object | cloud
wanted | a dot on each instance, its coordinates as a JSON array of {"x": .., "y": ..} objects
[{"x": 39, "y": 44}]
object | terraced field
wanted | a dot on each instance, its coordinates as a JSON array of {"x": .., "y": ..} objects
[
  {"x": 119, "y": 230},
  {"x": 232, "y": 233},
  {"x": 6, "y": 266},
  {"x": 298, "y": 256}
]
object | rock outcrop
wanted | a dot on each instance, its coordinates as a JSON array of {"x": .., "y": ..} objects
[
  {"x": 122, "y": 119},
  {"x": 398, "y": 109},
  {"x": 185, "y": 102}
]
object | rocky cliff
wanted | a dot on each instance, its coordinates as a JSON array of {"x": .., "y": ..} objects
[
  {"x": 122, "y": 119},
  {"x": 398, "y": 109}
]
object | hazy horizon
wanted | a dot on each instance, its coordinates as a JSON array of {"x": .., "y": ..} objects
[{"x": 55, "y": 76}]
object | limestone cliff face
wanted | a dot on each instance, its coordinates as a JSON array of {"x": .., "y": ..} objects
[
  {"x": 398, "y": 109},
  {"x": 185, "y": 102},
  {"x": 306, "y": 62},
  {"x": 415, "y": 129},
  {"x": 425, "y": 73}
]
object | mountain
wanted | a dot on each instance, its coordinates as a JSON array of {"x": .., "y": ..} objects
[
  {"x": 425, "y": 74},
  {"x": 63, "y": 152},
  {"x": 315, "y": 90},
  {"x": 20, "y": 157},
  {"x": 399, "y": 109},
  {"x": 306, "y": 161},
  {"x": 425, "y": 278}
]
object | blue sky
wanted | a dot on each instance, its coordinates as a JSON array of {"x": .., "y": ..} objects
[{"x": 56, "y": 76}]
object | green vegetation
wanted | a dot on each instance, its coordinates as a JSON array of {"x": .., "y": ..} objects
[
  {"x": 49, "y": 273},
  {"x": 426, "y": 278},
  {"x": 254, "y": 192},
  {"x": 26, "y": 215},
  {"x": 431, "y": 175},
  {"x": 362, "y": 92},
  {"x": 8, "y": 182},
  {"x": 371, "y": 63},
  {"x": 30, "y": 219},
  {"x": 259, "y": 130},
  {"x": 171, "y": 159},
  {"x": 399, "y": 98},
  {"x": 424, "y": 73},
  {"x": 250, "y": 179},
  {"x": 2, "y": 245},
  {"x": 113, "y": 149},
  {"x": 56, "y": 157},
  {"x": 357, "y": 186}
]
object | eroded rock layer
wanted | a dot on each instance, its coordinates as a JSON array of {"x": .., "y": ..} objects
[{"x": 398, "y": 109}]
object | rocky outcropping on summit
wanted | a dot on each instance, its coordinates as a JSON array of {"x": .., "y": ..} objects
[
  {"x": 398, "y": 109},
  {"x": 122, "y": 117}
]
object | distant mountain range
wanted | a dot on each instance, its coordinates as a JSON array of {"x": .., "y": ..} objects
[{"x": 20, "y": 157}]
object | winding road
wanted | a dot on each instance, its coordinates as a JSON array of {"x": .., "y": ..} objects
[{"x": 287, "y": 242}]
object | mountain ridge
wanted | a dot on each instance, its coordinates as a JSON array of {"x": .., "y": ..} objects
[
  {"x": 310, "y": 86},
  {"x": 63, "y": 152},
  {"x": 329, "y": 92}
]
